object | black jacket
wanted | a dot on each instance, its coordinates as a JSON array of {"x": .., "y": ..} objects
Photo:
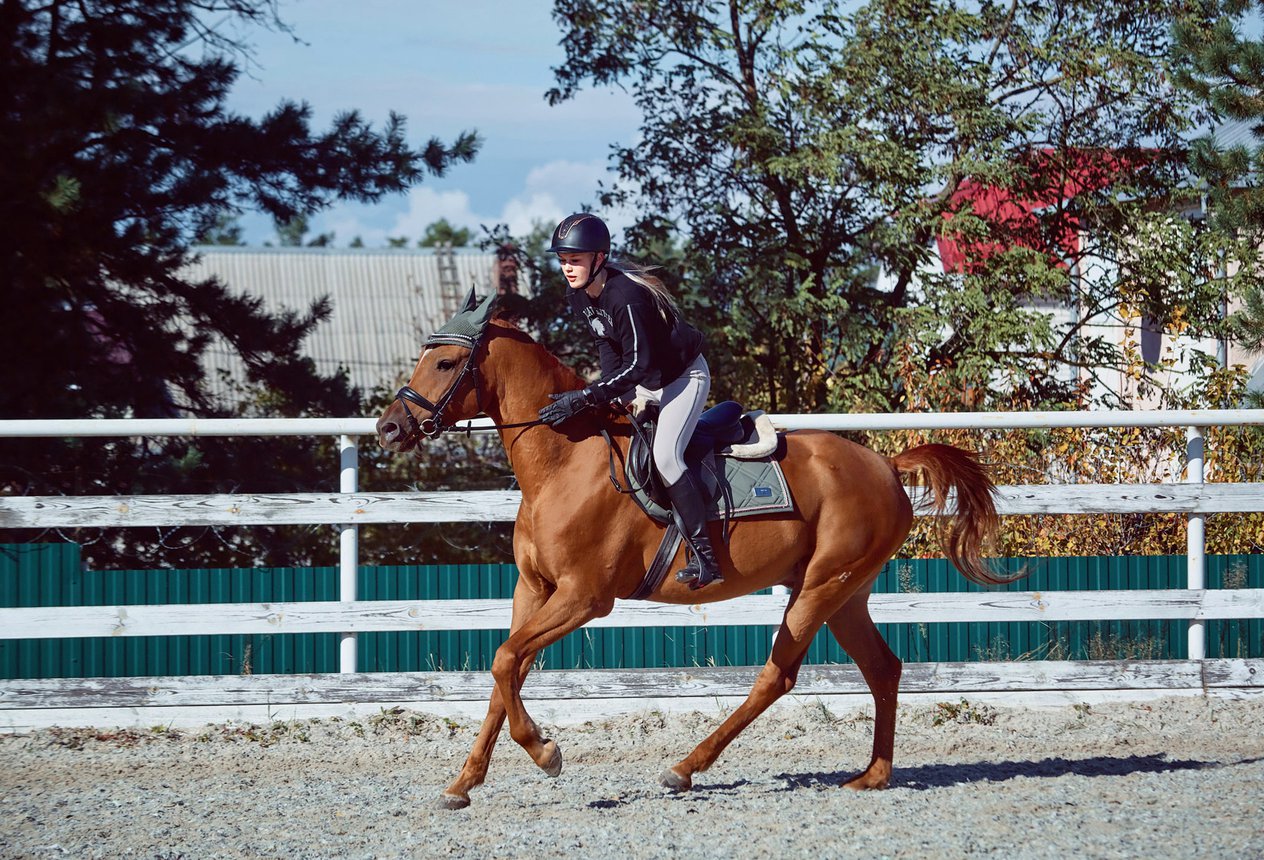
[{"x": 636, "y": 343}]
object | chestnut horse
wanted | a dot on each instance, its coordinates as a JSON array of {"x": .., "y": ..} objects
[{"x": 579, "y": 545}]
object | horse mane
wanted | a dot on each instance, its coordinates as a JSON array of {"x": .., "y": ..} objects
[
  {"x": 508, "y": 329},
  {"x": 562, "y": 376}
]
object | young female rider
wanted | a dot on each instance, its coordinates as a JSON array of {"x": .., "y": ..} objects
[{"x": 646, "y": 349}]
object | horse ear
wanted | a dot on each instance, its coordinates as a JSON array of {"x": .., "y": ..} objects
[
  {"x": 471, "y": 302},
  {"x": 482, "y": 312}
]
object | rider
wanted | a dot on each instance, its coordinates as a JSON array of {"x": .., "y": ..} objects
[{"x": 646, "y": 349}]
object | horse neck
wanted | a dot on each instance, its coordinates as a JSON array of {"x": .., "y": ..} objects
[{"x": 521, "y": 375}]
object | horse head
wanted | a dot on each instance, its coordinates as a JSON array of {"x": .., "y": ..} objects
[{"x": 444, "y": 386}]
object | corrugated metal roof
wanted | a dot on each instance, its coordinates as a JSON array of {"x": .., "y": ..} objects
[
  {"x": 1237, "y": 133},
  {"x": 384, "y": 301}
]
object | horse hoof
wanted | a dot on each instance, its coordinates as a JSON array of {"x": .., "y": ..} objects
[
  {"x": 453, "y": 801},
  {"x": 865, "y": 782},
  {"x": 553, "y": 764},
  {"x": 670, "y": 779}
]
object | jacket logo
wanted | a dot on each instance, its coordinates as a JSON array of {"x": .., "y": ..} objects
[{"x": 599, "y": 321}]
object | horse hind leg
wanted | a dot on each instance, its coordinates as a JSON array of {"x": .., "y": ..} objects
[
  {"x": 803, "y": 619},
  {"x": 855, "y": 631}
]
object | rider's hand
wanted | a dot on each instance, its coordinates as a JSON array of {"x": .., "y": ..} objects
[{"x": 565, "y": 405}]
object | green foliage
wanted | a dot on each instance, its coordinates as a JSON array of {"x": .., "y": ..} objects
[
  {"x": 816, "y": 153},
  {"x": 226, "y": 231},
  {"x": 119, "y": 153},
  {"x": 441, "y": 232},
  {"x": 1224, "y": 69},
  {"x": 292, "y": 233}
]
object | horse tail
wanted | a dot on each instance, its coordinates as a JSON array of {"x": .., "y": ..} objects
[{"x": 975, "y": 523}]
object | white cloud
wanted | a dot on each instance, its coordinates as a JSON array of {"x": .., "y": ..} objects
[
  {"x": 426, "y": 206},
  {"x": 549, "y": 193},
  {"x": 523, "y": 212},
  {"x": 562, "y": 187}
]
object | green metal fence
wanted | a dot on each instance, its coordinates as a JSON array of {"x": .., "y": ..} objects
[{"x": 52, "y": 575}]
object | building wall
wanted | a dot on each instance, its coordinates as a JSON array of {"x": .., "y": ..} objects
[{"x": 384, "y": 302}]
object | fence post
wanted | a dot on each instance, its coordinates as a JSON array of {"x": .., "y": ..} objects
[
  {"x": 1196, "y": 541},
  {"x": 348, "y": 549}
]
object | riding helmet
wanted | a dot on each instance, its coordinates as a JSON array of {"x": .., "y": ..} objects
[{"x": 581, "y": 233}]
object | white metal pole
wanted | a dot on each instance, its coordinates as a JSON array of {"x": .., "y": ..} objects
[
  {"x": 348, "y": 549},
  {"x": 1196, "y": 541}
]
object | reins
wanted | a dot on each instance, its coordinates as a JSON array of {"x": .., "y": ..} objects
[{"x": 639, "y": 430}]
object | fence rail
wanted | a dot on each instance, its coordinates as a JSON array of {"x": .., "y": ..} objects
[
  {"x": 366, "y": 616},
  {"x": 348, "y": 509},
  {"x": 502, "y": 506}
]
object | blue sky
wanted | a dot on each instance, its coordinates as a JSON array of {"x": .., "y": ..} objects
[{"x": 447, "y": 67}]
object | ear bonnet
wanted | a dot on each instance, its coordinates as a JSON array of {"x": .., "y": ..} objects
[{"x": 467, "y": 326}]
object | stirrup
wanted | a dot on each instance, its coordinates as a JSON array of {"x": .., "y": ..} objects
[{"x": 693, "y": 574}]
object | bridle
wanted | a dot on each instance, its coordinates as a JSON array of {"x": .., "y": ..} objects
[{"x": 433, "y": 426}]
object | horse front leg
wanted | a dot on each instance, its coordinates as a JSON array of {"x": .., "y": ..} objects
[
  {"x": 566, "y": 610},
  {"x": 527, "y": 600}
]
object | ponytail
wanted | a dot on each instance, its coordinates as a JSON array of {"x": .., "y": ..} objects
[{"x": 641, "y": 275}]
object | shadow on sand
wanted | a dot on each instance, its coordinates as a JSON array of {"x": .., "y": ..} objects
[
  {"x": 928, "y": 776},
  {"x": 924, "y": 777}
]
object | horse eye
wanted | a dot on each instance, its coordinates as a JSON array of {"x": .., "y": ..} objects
[{"x": 445, "y": 364}]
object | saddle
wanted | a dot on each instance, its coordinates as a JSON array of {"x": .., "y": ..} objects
[
  {"x": 723, "y": 432},
  {"x": 736, "y": 454}
]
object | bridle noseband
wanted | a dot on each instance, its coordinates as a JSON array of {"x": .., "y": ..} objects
[{"x": 433, "y": 426}]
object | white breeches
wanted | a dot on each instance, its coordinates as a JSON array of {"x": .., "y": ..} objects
[{"x": 680, "y": 402}]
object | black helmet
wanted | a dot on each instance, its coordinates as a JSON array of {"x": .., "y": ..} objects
[{"x": 582, "y": 233}]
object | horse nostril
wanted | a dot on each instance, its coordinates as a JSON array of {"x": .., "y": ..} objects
[{"x": 389, "y": 431}]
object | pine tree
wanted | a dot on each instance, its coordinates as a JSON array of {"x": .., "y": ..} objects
[
  {"x": 1224, "y": 68},
  {"x": 119, "y": 151}
]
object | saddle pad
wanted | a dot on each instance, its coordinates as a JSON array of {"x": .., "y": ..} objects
[{"x": 753, "y": 487}]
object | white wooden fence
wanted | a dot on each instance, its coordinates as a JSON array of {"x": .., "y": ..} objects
[{"x": 566, "y": 695}]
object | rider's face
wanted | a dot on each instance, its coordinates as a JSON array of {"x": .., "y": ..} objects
[{"x": 578, "y": 268}]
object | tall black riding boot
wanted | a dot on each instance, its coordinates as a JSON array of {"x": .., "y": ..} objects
[{"x": 688, "y": 498}]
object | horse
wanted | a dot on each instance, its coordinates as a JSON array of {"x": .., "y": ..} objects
[{"x": 579, "y": 545}]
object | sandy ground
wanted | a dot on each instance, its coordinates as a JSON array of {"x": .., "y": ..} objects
[{"x": 1180, "y": 777}]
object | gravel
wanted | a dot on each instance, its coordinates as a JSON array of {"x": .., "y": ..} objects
[{"x": 1180, "y": 777}]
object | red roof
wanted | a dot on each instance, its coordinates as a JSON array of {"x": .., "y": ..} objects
[{"x": 1014, "y": 215}]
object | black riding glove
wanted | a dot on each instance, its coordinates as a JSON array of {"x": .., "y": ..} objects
[{"x": 565, "y": 406}]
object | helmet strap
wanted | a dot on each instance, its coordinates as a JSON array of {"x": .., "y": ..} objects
[{"x": 597, "y": 271}]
